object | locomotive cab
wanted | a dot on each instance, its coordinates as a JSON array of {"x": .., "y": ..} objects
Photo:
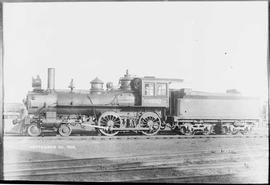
[
  {"x": 151, "y": 91},
  {"x": 154, "y": 92}
]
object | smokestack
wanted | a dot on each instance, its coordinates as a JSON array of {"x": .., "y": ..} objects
[{"x": 51, "y": 78}]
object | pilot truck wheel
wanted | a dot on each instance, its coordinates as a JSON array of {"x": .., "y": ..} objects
[
  {"x": 34, "y": 130},
  {"x": 64, "y": 130}
]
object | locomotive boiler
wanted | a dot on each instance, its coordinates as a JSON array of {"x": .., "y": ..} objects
[{"x": 139, "y": 105}]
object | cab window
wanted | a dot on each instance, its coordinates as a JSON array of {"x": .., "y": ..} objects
[
  {"x": 161, "y": 89},
  {"x": 149, "y": 89}
]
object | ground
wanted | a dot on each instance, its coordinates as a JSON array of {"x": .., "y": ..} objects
[{"x": 171, "y": 156}]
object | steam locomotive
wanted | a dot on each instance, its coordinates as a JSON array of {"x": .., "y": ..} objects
[{"x": 141, "y": 104}]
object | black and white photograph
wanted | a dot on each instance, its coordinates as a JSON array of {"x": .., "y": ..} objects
[{"x": 133, "y": 91}]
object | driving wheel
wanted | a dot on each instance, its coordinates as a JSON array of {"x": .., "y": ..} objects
[
  {"x": 151, "y": 121},
  {"x": 110, "y": 120}
]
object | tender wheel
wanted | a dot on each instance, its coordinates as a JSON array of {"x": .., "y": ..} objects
[
  {"x": 245, "y": 131},
  {"x": 189, "y": 132},
  {"x": 235, "y": 131},
  {"x": 152, "y": 121},
  {"x": 183, "y": 130},
  {"x": 64, "y": 130},
  {"x": 34, "y": 130},
  {"x": 208, "y": 130},
  {"x": 225, "y": 130},
  {"x": 186, "y": 131},
  {"x": 110, "y": 120},
  {"x": 162, "y": 127}
]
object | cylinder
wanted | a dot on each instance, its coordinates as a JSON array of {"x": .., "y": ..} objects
[{"x": 51, "y": 78}]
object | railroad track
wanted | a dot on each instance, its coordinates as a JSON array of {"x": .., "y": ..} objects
[
  {"x": 139, "y": 171},
  {"x": 136, "y": 172},
  {"x": 174, "y": 167},
  {"x": 182, "y": 154},
  {"x": 133, "y": 137}
]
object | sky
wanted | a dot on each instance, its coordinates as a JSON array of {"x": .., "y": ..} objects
[{"x": 213, "y": 46}]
